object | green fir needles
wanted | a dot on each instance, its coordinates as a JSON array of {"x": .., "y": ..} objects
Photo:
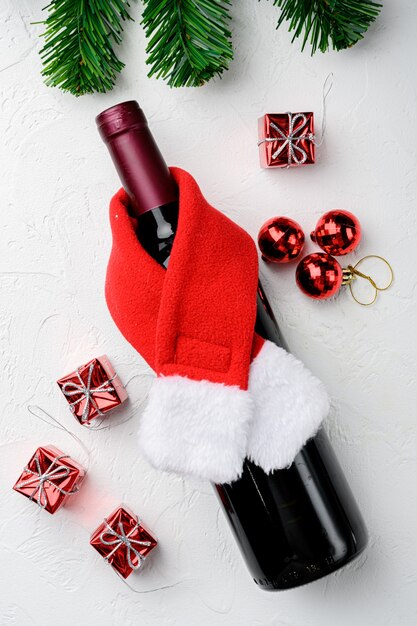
[
  {"x": 189, "y": 41},
  {"x": 78, "y": 54},
  {"x": 339, "y": 22}
]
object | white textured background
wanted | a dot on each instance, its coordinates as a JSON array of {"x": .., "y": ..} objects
[{"x": 56, "y": 181}]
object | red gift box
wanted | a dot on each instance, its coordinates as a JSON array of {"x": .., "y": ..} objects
[
  {"x": 286, "y": 139},
  {"x": 49, "y": 478},
  {"x": 123, "y": 541},
  {"x": 93, "y": 389}
]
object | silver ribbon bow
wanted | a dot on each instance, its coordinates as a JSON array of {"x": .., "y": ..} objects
[
  {"x": 87, "y": 392},
  {"x": 291, "y": 139},
  {"x": 39, "y": 478},
  {"x": 121, "y": 539}
]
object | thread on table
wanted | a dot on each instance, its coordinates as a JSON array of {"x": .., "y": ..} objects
[
  {"x": 97, "y": 425},
  {"x": 291, "y": 138},
  {"x": 43, "y": 416},
  {"x": 327, "y": 87},
  {"x": 140, "y": 591}
]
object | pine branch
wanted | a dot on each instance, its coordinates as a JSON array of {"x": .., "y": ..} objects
[
  {"x": 189, "y": 41},
  {"x": 78, "y": 54},
  {"x": 339, "y": 22}
]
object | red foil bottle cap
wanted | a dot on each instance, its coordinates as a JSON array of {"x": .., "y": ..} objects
[{"x": 139, "y": 163}]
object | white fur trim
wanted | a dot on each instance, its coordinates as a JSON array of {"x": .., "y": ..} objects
[
  {"x": 197, "y": 428},
  {"x": 290, "y": 404}
]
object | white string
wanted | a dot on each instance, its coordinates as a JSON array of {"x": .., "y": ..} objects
[
  {"x": 97, "y": 424},
  {"x": 45, "y": 417},
  {"x": 179, "y": 582},
  {"x": 292, "y": 138},
  {"x": 327, "y": 87}
]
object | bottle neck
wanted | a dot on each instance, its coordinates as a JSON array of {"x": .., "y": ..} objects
[
  {"x": 156, "y": 231},
  {"x": 138, "y": 161}
]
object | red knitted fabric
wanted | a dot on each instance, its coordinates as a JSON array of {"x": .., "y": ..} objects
[{"x": 195, "y": 319}]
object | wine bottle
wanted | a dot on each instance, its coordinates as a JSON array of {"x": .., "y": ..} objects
[{"x": 293, "y": 525}]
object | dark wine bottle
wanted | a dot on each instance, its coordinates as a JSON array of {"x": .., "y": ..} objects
[{"x": 294, "y": 525}]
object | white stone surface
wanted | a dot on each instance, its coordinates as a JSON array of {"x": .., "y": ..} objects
[{"x": 56, "y": 181}]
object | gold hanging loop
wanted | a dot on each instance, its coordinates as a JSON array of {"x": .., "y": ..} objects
[{"x": 350, "y": 273}]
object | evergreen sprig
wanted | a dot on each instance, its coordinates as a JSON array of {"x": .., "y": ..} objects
[
  {"x": 189, "y": 41},
  {"x": 339, "y": 22},
  {"x": 78, "y": 54}
]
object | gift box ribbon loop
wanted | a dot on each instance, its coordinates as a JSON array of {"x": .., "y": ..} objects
[
  {"x": 296, "y": 154},
  {"x": 87, "y": 392},
  {"x": 123, "y": 539},
  {"x": 39, "y": 478}
]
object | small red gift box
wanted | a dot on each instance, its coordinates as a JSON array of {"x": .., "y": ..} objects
[
  {"x": 49, "y": 478},
  {"x": 286, "y": 139},
  {"x": 123, "y": 541},
  {"x": 93, "y": 389}
]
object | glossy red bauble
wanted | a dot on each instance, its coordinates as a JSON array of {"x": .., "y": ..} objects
[
  {"x": 337, "y": 232},
  {"x": 319, "y": 275},
  {"x": 280, "y": 240}
]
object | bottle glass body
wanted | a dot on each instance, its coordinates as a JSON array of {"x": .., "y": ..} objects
[{"x": 299, "y": 524}]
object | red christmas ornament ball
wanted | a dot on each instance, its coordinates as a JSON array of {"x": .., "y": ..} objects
[
  {"x": 337, "y": 232},
  {"x": 319, "y": 275},
  {"x": 280, "y": 240}
]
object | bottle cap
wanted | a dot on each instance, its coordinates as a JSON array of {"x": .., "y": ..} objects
[{"x": 139, "y": 163}]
